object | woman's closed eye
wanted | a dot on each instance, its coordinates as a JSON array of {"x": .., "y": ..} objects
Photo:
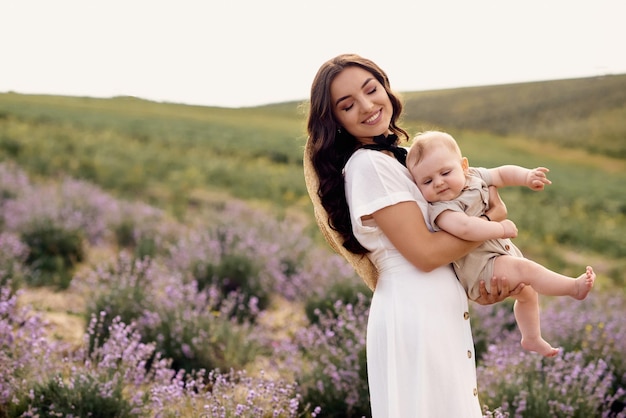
[{"x": 351, "y": 105}]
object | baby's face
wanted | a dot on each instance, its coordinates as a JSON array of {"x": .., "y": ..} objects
[{"x": 440, "y": 175}]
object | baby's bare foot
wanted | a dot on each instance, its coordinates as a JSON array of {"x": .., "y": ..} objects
[
  {"x": 540, "y": 346},
  {"x": 584, "y": 283}
]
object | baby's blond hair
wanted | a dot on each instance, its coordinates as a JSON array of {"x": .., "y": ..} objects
[{"x": 426, "y": 141}]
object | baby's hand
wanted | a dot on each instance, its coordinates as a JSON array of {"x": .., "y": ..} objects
[
  {"x": 536, "y": 178},
  {"x": 510, "y": 230}
]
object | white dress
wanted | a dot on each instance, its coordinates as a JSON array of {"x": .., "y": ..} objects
[{"x": 420, "y": 351}]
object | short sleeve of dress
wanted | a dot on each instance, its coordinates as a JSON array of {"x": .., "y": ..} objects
[{"x": 375, "y": 180}]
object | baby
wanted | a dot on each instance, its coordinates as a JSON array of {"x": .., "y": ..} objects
[{"x": 458, "y": 197}]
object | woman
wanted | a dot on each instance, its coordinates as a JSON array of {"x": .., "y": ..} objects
[{"x": 420, "y": 352}]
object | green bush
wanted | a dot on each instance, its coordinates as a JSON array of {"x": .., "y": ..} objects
[
  {"x": 84, "y": 397},
  {"x": 334, "y": 349},
  {"x": 325, "y": 303},
  {"x": 125, "y": 299},
  {"x": 234, "y": 273},
  {"x": 196, "y": 339},
  {"x": 145, "y": 230},
  {"x": 196, "y": 329},
  {"x": 54, "y": 252},
  {"x": 13, "y": 255}
]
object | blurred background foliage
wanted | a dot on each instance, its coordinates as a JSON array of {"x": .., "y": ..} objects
[{"x": 179, "y": 157}]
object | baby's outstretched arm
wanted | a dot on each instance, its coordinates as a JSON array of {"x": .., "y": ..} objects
[
  {"x": 472, "y": 228},
  {"x": 514, "y": 175}
]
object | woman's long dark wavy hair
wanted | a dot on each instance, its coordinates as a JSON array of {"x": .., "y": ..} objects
[{"x": 332, "y": 147}]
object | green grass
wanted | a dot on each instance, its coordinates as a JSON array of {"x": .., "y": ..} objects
[
  {"x": 588, "y": 113},
  {"x": 157, "y": 152}
]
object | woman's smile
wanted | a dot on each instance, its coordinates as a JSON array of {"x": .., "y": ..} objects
[{"x": 372, "y": 120}]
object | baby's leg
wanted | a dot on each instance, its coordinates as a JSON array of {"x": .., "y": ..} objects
[
  {"x": 526, "y": 311},
  {"x": 522, "y": 270}
]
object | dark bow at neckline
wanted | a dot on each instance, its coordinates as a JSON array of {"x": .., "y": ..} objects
[{"x": 388, "y": 143}]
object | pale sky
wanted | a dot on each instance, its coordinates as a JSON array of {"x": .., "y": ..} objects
[{"x": 250, "y": 52}]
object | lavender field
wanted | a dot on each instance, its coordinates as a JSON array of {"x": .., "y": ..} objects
[
  {"x": 161, "y": 260},
  {"x": 236, "y": 314}
]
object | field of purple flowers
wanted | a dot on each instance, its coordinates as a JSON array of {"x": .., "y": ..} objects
[{"x": 238, "y": 313}]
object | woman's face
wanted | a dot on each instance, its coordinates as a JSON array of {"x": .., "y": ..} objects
[{"x": 360, "y": 104}]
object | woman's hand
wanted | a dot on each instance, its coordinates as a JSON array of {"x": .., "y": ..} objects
[
  {"x": 499, "y": 291},
  {"x": 497, "y": 209}
]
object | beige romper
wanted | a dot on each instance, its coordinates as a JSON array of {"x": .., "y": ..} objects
[{"x": 474, "y": 201}]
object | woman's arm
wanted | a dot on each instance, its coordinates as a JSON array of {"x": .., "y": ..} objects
[{"x": 404, "y": 225}]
